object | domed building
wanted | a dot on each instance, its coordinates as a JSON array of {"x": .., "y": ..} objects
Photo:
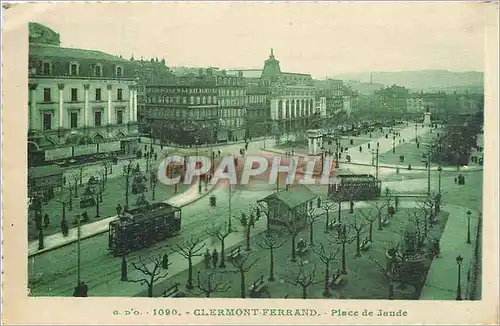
[{"x": 82, "y": 103}]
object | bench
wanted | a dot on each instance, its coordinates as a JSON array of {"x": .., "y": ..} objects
[
  {"x": 366, "y": 245},
  {"x": 235, "y": 253},
  {"x": 334, "y": 225},
  {"x": 302, "y": 249},
  {"x": 257, "y": 287},
  {"x": 385, "y": 222},
  {"x": 172, "y": 291},
  {"x": 336, "y": 279}
]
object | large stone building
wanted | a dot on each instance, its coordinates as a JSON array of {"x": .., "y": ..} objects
[
  {"x": 418, "y": 103},
  {"x": 81, "y": 102},
  {"x": 232, "y": 106},
  {"x": 333, "y": 90},
  {"x": 184, "y": 110},
  {"x": 291, "y": 97}
]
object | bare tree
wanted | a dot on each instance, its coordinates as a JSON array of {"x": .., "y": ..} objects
[
  {"x": 127, "y": 173},
  {"x": 326, "y": 257},
  {"x": 370, "y": 217},
  {"x": 311, "y": 219},
  {"x": 302, "y": 278},
  {"x": 343, "y": 238},
  {"x": 379, "y": 207},
  {"x": 192, "y": 247},
  {"x": 418, "y": 218},
  {"x": 212, "y": 282},
  {"x": 80, "y": 170},
  {"x": 73, "y": 181},
  {"x": 64, "y": 198},
  {"x": 358, "y": 225},
  {"x": 294, "y": 224},
  {"x": 220, "y": 232},
  {"x": 108, "y": 168},
  {"x": 242, "y": 267},
  {"x": 247, "y": 222},
  {"x": 388, "y": 275},
  {"x": 271, "y": 242},
  {"x": 328, "y": 205},
  {"x": 151, "y": 274},
  {"x": 153, "y": 181}
]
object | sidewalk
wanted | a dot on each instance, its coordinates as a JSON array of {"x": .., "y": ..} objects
[
  {"x": 442, "y": 278},
  {"x": 57, "y": 240}
]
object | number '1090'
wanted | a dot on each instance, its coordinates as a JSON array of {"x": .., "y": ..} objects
[{"x": 164, "y": 312}]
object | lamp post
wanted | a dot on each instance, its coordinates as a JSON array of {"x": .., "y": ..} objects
[
  {"x": 337, "y": 156},
  {"x": 393, "y": 144},
  {"x": 459, "y": 285},
  {"x": 416, "y": 127},
  {"x": 440, "y": 169},
  {"x": 322, "y": 158},
  {"x": 376, "y": 162},
  {"x": 469, "y": 213},
  {"x": 78, "y": 251},
  {"x": 199, "y": 177}
]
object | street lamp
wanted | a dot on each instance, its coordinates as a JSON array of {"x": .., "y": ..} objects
[
  {"x": 322, "y": 158},
  {"x": 469, "y": 213},
  {"x": 416, "y": 127},
  {"x": 393, "y": 144},
  {"x": 459, "y": 286},
  {"x": 337, "y": 155},
  {"x": 440, "y": 169}
]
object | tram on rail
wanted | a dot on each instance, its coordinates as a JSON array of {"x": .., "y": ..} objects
[
  {"x": 355, "y": 187},
  {"x": 143, "y": 226}
]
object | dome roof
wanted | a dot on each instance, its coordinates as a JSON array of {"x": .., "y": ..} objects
[{"x": 41, "y": 34}]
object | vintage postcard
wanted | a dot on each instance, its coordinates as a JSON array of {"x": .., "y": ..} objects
[{"x": 250, "y": 163}]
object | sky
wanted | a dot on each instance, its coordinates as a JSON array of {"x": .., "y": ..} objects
[{"x": 323, "y": 39}]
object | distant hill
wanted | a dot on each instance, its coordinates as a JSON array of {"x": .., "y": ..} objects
[{"x": 427, "y": 80}]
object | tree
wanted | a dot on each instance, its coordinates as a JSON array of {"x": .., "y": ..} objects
[
  {"x": 151, "y": 274},
  {"x": 192, "y": 247},
  {"x": 418, "y": 218},
  {"x": 64, "y": 198},
  {"x": 370, "y": 217},
  {"x": 312, "y": 218},
  {"x": 343, "y": 238},
  {"x": 328, "y": 205},
  {"x": 242, "y": 267},
  {"x": 326, "y": 257},
  {"x": 212, "y": 282},
  {"x": 127, "y": 173},
  {"x": 358, "y": 225},
  {"x": 220, "y": 232},
  {"x": 153, "y": 181},
  {"x": 108, "y": 168},
  {"x": 302, "y": 278},
  {"x": 271, "y": 242},
  {"x": 247, "y": 223},
  {"x": 294, "y": 224},
  {"x": 378, "y": 206},
  {"x": 73, "y": 180},
  {"x": 80, "y": 170}
]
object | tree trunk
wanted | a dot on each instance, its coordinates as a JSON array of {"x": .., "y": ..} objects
[
  {"x": 271, "y": 266},
  {"x": 248, "y": 236},
  {"x": 76, "y": 189},
  {"x": 344, "y": 263},
  {"x": 358, "y": 244},
  {"x": 327, "y": 225},
  {"x": 242, "y": 284},
  {"x": 70, "y": 199},
  {"x": 326, "y": 291},
  {"x": 370, "y": 231},
  {"x": 379, "y": 221},
  {"x": 311, "y": 234},
  {"x": 293, "y": 248},
  {"x": 222, "y": 254},
  {"x": 391, "y": 291},
  {"x": 339, "y": 217},
  {"x": 63, "y": 212},
  {"x": 304, "y": 292},
  {"x": 189, "y": 284},
  {"x": 150, "y": 290},
  {"x": 126, "y": 188},
  {"x": 153, "y": 192}
]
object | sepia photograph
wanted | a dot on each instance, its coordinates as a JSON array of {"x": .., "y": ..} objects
[{"x": 289, "y": 150}]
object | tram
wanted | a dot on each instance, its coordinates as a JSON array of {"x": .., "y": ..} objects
[
  {"x": 143, "y": 226},
  {"x": 355, "y": 187}
]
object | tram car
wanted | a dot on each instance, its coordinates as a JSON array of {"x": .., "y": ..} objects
[
  {"x": 143, "y": 226},
  {"x": 355, "y": 187}
]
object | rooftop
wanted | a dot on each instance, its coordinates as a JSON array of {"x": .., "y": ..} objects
[
  {"x": 47, "y": 51},
  {"x": 294, "y": 197}
]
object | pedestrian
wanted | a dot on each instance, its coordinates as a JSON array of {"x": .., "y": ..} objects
[
  {"x": 164, "y": 262},
  {"x": 455, "y": 180},
  {"x": 64, "y": 228},
  {"x": 156, "y": 156},
  {"x": 46, "y": 220},
  {"x": 215, "y": 258},
  {"x": 360, "y": 149},
  {"x": 207, "y": 258},
  {"x": 437, "y": 248},
  {"x": 368, "y": 145},
  {"x": 118, "y": 209}
]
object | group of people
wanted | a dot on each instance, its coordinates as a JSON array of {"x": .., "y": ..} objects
[{"x": 211, "y": 259}]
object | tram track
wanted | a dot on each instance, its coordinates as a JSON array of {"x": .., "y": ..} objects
[{"x": 105, "y": 267}]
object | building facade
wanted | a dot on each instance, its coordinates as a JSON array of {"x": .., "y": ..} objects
[
  {"x": 232, "y": 106},
  {"x": 81, "y": 102},
  {"x": 184, "y": 110}
]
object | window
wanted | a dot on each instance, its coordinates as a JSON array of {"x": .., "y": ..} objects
[
  {"x": 46, "y": 95},
  {"x": 73, "y": 69},
  {"x": 46, "y": 68},
  {"x": 47, "y": 121},
  {"x": 119, "y": 94},
  {"x": 73, "y": 119},
  {"x": 74, "y": 94},
  {"x": 119, "y": 71},
  {"x": 119, "y": 117},
  {"x": 97, "y": 118},
  {"x": 98, "y": 71},
  {"x": 98, "y": 94}
]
